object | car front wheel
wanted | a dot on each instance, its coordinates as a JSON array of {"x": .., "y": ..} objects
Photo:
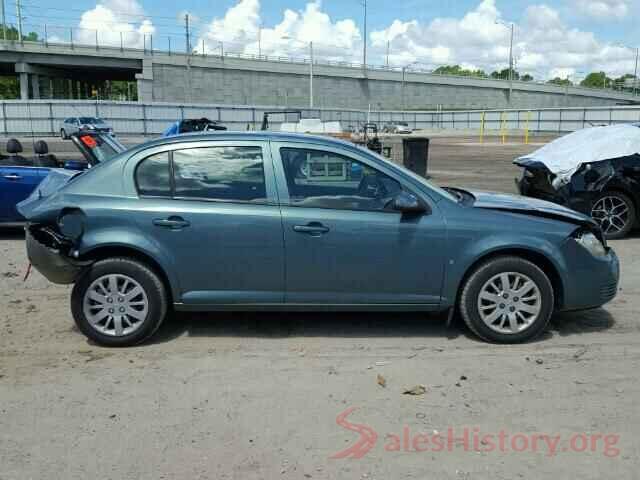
[
  {"x": 507, "y": 300},
  {"x": 119, "y": 302},
  {"x": 616, "y": 214}
]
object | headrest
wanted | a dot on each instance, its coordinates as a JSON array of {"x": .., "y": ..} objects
[
  {"x": 41, "y": 147},
  {"x": 14, "y": 146}
]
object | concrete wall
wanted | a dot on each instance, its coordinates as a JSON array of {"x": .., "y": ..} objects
[{"x": 173, "y": 83}]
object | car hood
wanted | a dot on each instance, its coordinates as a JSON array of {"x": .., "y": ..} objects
[{"x": 529, "y": 206}]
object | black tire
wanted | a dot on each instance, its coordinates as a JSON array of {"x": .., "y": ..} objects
[
  {"x": 63, "y": 134},
  {"x": 148, "y": 280},
  {"x": 605, "y": 225},
  {"x": 471, "y": 290}
]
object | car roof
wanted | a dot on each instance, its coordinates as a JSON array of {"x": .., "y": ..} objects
[{"x": 243, "y": 136}]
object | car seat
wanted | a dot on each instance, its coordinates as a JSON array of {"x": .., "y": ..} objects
[
  {"x": 14, "y": 148},
  {"x": 43, "y": 158}
]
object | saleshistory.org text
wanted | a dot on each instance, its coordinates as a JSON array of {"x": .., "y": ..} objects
[{"x": 473, "y": 439}]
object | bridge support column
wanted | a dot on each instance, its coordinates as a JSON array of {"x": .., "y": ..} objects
[
  {"x": 24, "y": 86},
  {"x": 35, "y": 86},
  {"x": 145, "y": 82}
]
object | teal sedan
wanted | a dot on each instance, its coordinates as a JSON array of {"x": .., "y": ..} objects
[{"x": 266, "y": 221}]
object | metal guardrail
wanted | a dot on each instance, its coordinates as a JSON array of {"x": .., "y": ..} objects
[
  {"x": 149, "y": 50},
  {"x": 43, "y": 117}
]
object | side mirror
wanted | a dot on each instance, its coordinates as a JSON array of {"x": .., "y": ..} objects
[{"x": 406, "y": 202}]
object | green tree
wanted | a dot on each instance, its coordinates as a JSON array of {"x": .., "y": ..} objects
[
  {"x": 12, "y": 34},
  {"x": 625, "y": 82},
  {"x": 504, "y": 74},
  {"x": 560, "y": 81},
  {"x": 596, "y": 80},
  {"x": 459, "y": 71},
  {"x": 526, "y": 78},
  {"x": 9, "y": 87}
]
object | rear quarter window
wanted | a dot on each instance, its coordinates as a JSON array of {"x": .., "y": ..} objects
[{"x": 153, "y": 177}]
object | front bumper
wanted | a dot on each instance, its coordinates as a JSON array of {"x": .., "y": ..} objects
[
  {"x": 45, "y": 253},
  {"x": 592, "y": 283}
]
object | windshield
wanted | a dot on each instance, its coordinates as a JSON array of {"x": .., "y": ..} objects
[
  {"x": 87, "y": 120},
  {"x": 414, "y": 175}
]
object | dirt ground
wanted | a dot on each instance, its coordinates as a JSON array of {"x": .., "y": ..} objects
[{"x": 257, "y": 396}]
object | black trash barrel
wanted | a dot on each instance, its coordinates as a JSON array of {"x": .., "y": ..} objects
[{"x": 416, "y": 154}]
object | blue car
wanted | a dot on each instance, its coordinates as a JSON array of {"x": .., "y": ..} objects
[
  {"x": 267, "y": 221},
  {"x": 19, "y": 175}
]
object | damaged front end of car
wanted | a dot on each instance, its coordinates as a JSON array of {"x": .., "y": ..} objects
[{"x": 576, "y": 191}]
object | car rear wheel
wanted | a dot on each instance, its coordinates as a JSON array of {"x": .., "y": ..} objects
[
  {"x": 507, "y": 300},
  {"x": 119, "y": 302},
  {"x": 616, "y": 214}
]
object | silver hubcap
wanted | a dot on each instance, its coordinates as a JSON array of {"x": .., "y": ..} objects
[
  {"x": 509, "y": 302},
  {"x": 612, "y": 213},
  {"x": 115, "y": 305}
]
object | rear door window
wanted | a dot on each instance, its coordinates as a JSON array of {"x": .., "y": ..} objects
[{"x": 224, "y": 173}]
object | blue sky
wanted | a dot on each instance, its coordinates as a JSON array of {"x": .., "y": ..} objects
[{"x": 564, "y": 38}]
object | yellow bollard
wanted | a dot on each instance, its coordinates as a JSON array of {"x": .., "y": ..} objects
[
  {"x": 503, "y": 127},
  {"x": 526, "y": 129},
  {"x": 482, "y": 128}
]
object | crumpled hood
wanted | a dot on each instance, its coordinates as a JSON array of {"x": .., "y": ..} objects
[
  {"x": 530, "y": 206},
  {"x": 564, "y": 156}
]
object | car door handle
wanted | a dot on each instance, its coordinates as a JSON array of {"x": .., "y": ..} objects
[
  {"x": 314, "y": 229},
  {"x": 174, "y": 223},
  {"x": 12, "y": 177}
]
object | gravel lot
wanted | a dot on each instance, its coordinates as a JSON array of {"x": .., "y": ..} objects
[{"x": 256, "y": 396}]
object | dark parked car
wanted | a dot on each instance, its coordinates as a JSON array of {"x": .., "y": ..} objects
[
  {"x": 600, "y": 176},
  {"x": 265, "y": 221},
  {"x": 20, "y": 175},
  {"x": 193, "y": 125}
]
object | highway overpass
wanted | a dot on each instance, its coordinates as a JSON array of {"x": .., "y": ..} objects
[{"x": 163, "y": 76}]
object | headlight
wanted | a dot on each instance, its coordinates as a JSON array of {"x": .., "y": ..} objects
[{"x": 591, "y": 243}]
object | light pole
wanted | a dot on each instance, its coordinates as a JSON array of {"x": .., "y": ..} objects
[
  {"x": 364, "y": 47},
  {"x": 19, "y": 18},
  {"x": 187, "y": 34},
  {"x": 4, "y": 22},
  {"x": 510, "y": 26},
  {"x": 635, "y": 74},
  {"x": 310, "y": 66},
  {"x": 388, "y": 45},
  {"x": 404, "y": 70}
]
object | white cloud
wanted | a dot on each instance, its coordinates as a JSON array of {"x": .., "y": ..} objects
[
  {"x": 113, "y": 17},
  {"x": 544, "y": 45},
  {"x": 240, "y": 28},
  {"x": 603, "y": 9}
]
